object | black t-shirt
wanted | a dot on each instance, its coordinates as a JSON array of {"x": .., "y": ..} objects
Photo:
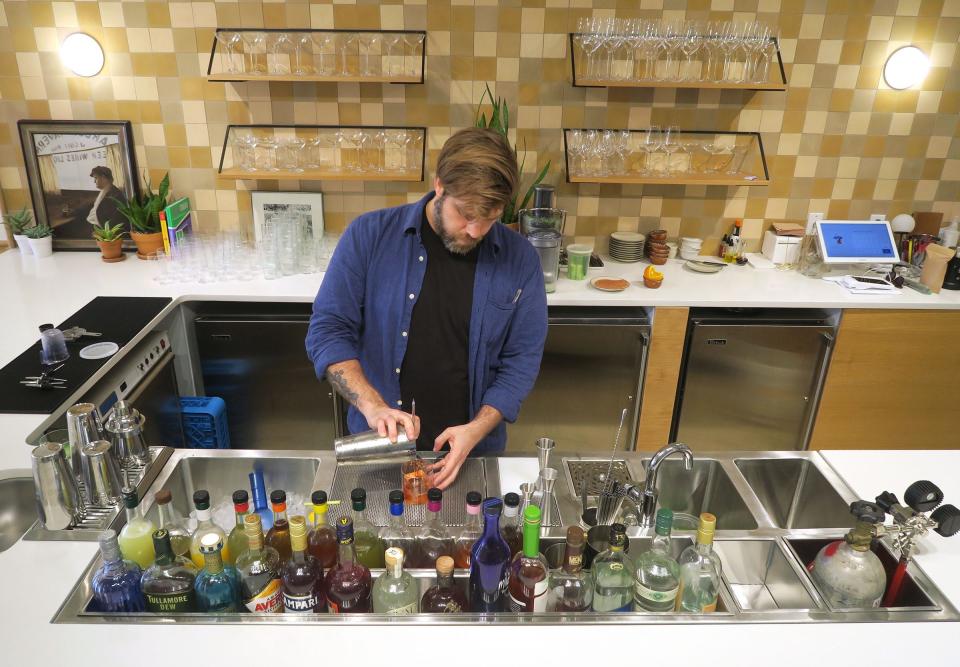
[{"x": 435, "y": 368}]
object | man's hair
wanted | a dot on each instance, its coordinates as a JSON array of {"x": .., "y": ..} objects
[
  {"x": 102, "y": 171},
  {"x": 478, "y": 166}
]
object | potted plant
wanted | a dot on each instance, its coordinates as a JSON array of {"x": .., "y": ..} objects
[
  {"x": 500, "y": 121},
  {"x": 144, "y": 218},
  {"x": 19, "y": 222},
  {"x": 40, "y": 238},
  {"x": 110, "y": 240}
]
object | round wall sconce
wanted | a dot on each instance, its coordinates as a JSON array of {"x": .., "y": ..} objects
[
  {"x": 82, "y": 54},
  {"x": 905, "y": 68}
]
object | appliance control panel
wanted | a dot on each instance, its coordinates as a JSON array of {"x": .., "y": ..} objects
[{"x": 137, "y": 366}]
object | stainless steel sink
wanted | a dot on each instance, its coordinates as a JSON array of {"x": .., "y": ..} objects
[
  {"x": 706, "y": 488},
  {"x": 18, "y": 506},
  {"x": 795, "y": 493},
  {"x": 762, "y": 578}
]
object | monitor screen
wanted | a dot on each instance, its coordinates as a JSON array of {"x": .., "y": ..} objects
[{"x": 857, "y": 241}]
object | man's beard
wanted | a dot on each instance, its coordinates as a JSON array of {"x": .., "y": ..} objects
[{"x": 449, "y": 241}]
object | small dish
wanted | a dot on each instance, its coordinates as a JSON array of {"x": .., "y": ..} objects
[
  {"x": 99, "y": 350},
  {"x": 609, "y": 284},
  {"x": 700, "y": 266}
]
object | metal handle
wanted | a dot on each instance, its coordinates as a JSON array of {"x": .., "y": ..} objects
[{"x": 814, "y": 403}]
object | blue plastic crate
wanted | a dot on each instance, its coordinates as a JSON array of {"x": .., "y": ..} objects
[{"x": 205, "y": 422}]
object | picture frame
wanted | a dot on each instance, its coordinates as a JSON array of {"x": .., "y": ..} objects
[
  {"x": 267, "y": 204},
  {"x": 75, "y": 171}
]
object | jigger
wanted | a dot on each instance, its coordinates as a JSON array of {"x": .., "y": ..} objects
[
  {"x": 125, "y": 427},
  {"x": 84, "y": 425},
  {"x": 101, "y": 476},
  {"x": 545, "y": 484},
  {"x": 544, "y": 447}
]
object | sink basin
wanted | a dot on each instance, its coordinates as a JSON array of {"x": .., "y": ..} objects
[
  {"x": 706, "y": 488},
  {"x": 760, "y": 576},
  {"x": 795, "y": 493},
  {"x": 18, "y": 506}
]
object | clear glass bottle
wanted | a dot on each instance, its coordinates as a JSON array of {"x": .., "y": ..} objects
[
  {"x": 168, "y": 584},
  {"x": 116, "y": 584},
  {"x": 395, "y": 592},
  {"x": 322, "y": 540},
  {"x": 173, "y": 522},
  {"x": 700, "y": 571},
  {"x": 612, "y": 573},
  {"x": 259, "y": 492},
  {"x": 658, "y": 573},
  {"x": 489, "y": 562},
  {"x": 570, "y": 588},
  {"x": 847, "y": 572},
  {"x": 396, "y": 533},
  {"x": 366, "y": 538},
  {"x": 348, "y": 582},
  {"x": 237, "y": 540},
  {"x": 302, "y": 575},
  {"x": 205, "y": 526},
  {"x": 433, "y": 539},
  {"x": 217, "y": 585},
  {"x": 527, "y": 588},
  {"x": 136, "y": 537},
  {"x": 510, "y": 523},
  {"x": 471, "y": 532},
  {"x": 278, "y": 536},
  {"x": 261, "y": 590},
  {"x": 445, "y": 596}
]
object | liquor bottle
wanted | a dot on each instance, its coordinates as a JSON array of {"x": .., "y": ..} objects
[
  {"x": 322, "y": 541},
  {"x": 528, "y": 570},
  {"x": 116, "y": 585},
  {"x": 173, "y": 522},
  {"x": 278, "y": 536},
  {"x": 205, "y": 525},
  {"x": 700, "y": 571},
  {"x": 658, "y": 573},
  {"x": 445, "y": 596},
  {"x": 217, "y": 585},
  {"x": 848, "y": 573},
  {"x": 472, "y": 530},
  {"x": 489, "y": 562},
  {"x": 396, "y": 533},
  {"x": 136, "y": 538},
  {"x": 395, "y": 592},
  {"x": 433, "y": 540},
  {"x": 510, "y": 523},
  {"x": 168, "y": 584},
  {"x": 261, "y": 590},
  {"x": 348, "y": 582},
  {"x": 570, "y": 588},
  {"x": 367, "y": 544},
  {"x": 259, "y": 492},
  {"x": 302, "y": 575},
  {"x": 612, "y": 572},
  {"x": 237, "y": 540}
]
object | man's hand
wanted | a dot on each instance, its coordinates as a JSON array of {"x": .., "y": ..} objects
[
  {"x": 462, "y": 439},
  {"x": 349, "y": 381},
  {"x": 384, "y": 420}
]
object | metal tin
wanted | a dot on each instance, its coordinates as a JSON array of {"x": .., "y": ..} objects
[
  {"x": 372, "y": 445},
  {"x": 58, "y": 500},
  {"x": 101, "y": 476}
]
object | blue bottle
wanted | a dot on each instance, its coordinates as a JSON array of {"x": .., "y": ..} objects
[
  {"x": 116, "y": 585},
  {"x": 489, "y": 562},
  {"x": 259, "y": 492},
  {"x": 218, "y": 585}
]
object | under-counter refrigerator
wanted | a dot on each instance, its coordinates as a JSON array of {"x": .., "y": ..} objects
[{"x": 751, "y": 379}]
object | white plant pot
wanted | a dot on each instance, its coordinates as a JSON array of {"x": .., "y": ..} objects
[
  {"x": 42, "y": 247},
  {"x": 23, "y": 243}
]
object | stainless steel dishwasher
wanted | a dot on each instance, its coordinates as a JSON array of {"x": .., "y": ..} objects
[
  {"x": 593, "y": 367},
  {"x": 751, "y": 379}
]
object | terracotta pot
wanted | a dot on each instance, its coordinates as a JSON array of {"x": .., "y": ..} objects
[
  {"x": 111, "y": 251},
  {"x": 147, "y": 244},
  {"x": 515, "y": 226}
]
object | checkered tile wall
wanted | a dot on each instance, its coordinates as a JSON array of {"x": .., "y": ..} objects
[{"x": 837, "y": 141}]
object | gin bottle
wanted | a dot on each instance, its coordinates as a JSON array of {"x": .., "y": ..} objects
[
  {"x": 433, "y": 540},
  {"x": 658, "y": 573},
  {"x": 612, "y": 572},
  {"x": 489, "y": 562},
  {"x": 396, "y": 533},
  {"x": 217, "y": 585},
  {"x": 570, "y": 588},
  {"x": 116, "y": 585},
  {"x": 395, "y": 592},
  {"x": 206, "y": 526},
  {"x": 168, "y": 583},
  {"x": 700, "y": 571}
]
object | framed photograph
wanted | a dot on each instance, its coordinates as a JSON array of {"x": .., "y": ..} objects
[
  {"x": 77, "y": 170},
  {"x": 268, "y": 206}
]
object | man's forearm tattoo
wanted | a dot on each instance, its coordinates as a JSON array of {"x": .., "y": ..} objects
[{"x": 339, "y": 383}]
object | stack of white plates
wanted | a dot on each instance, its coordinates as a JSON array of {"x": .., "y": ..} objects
[
  {"x": 626, "y": 246},
  {"x": 690, "y": 247}
]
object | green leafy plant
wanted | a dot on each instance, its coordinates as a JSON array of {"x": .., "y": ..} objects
[
  {"x": 144, "y": 215},
  {"x": 499, "y": 121},
  {"x": 38, "y": 231},
  {"x": 20, "y": 220},
  {"x": 107, "y": 232}
]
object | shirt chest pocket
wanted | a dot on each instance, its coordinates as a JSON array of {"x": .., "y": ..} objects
[{"x": 497, "y": 318}]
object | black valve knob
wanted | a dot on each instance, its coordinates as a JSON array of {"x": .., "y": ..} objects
[
  {"x": 923, "y": 496},
  {"x": 948, "y": 520},
  {"x": 886, "y": 501},
  {"x": 867, "y": 511}
]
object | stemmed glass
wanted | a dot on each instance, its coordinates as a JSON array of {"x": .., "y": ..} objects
[
  {"x": 229, "y": 41},
  {"x": 256, "y": 50},
  {"x": 576, "y": 144},
  {"x": 396, "y": 142},
  {"x": 290, "y": 149},
  {"x": 266, "y": 148},
  {"x": 649, "y": 144},
  {"x": 348, "y": 42},
  {"x": 671, "y": 144},
  {"x": 691, "y": 42},
  {"x": 414, "y": 44},
  {"x": 604, "y": 150},
  {"x": 390, "y": 42},
  {"x": 244, "y": 146},
  {"x": 380, "y": 143},
  {"x": 281, "y": 48},
  {"x": 621, "y": 146},
  {"x": 414, "y": 148},
  {"x": 303, "y": 54},
  {"x": 370, "y": 54},
  {"x": 325, "y": 52}
]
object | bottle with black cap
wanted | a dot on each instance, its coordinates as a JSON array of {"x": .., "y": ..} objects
[
  {"x": 366, "y": 538},
  {"x": 433, "y": 540},
  {"x": 278, "y": 536},
  {"x": 237, "y": 541},
  {"x": 510, "y": 523},
  {"x": 205, "y": 525},
  {"x": 396, "y": 533},
  {"x": 322, "y": 541},
  {"x": 136, "y": 537}
]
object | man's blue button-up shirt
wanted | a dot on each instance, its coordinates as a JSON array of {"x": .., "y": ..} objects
[{"x": 364, "y": 306}]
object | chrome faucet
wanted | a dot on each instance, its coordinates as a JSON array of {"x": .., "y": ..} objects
[{"x": 646, "y": 500}]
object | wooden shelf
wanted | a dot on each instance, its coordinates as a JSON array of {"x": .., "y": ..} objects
[
  {"x": 680, "y": 179},
  {"x": 317, "y": 78},
  {"x": 680, "y": 85},
  {"x": 320, "y": 175}
]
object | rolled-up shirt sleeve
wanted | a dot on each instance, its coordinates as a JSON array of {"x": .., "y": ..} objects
[{"x": 519, "y": 362}]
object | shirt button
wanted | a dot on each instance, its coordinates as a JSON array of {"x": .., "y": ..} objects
[
  {"x": 411, "y": 297},
  {"x": 398, "y": 371},
  {"x": 421, "y": 258},
  {"x": 399, "y": 402},
  {"x": 403, "y": 333}
]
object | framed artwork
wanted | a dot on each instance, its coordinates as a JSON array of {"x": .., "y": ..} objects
[
  {"x": 268, "y": 206},
  {"x": 77, "y": 170}
]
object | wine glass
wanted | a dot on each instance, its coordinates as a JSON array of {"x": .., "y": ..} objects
[
  {"x": 380, "y": 144},
  {"x": 621, "y": 147},
  {"x": 414, "y": 149},
  {"x": 690, "y": 44},
  {"x": 671, "y": 144},
  {"x": 229, "y": 40},
  {"x": 303, "y": 53},
  {"x": 649, "y": 144}
]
